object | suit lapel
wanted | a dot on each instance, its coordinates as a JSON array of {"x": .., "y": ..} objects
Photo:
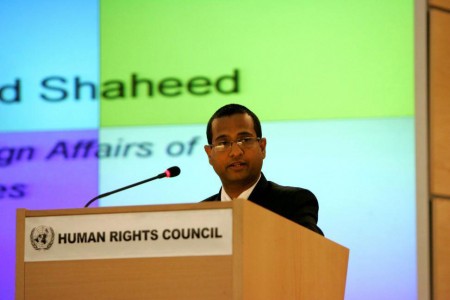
[{"x": 259, "y": 191}]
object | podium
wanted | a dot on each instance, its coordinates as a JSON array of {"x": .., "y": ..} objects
[{"x": 215, "y": 250}]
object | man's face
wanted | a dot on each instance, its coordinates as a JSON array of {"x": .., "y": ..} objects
[{"x": 237, "y": 168}]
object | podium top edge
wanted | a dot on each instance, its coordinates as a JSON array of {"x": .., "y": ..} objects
[{"x": 126, "y": 209}]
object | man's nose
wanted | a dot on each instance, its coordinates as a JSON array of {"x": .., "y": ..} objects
[{"x": 235, "y": 150}]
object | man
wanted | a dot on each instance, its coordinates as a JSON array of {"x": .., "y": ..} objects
[{"x": 236, "y": 151}]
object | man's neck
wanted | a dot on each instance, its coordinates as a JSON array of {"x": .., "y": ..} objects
[
  {"x": 234, "y": 193},
  {"x": 235, "y": 190}
]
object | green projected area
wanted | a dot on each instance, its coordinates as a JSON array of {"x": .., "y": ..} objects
[{"x": 175, "y": 62}]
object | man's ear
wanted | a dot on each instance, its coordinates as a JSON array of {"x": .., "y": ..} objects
[
  {"x": 262, "y": 145},
  {"x": 208, "y": 152}
]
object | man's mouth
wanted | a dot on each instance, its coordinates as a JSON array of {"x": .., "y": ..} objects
[{"x": 237, "y": 164}]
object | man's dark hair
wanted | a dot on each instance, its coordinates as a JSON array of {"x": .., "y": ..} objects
[{"x": 229, "y": 110}]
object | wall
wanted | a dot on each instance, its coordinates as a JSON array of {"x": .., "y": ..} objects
[{"x": 439, "y": 132}]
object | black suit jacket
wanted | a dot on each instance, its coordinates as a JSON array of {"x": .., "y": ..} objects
[{"x": 296, "y": 204}]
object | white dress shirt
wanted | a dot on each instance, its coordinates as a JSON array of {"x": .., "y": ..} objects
[{"x": 244, "y": 195}]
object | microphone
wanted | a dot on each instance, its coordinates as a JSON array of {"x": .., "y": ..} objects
[{"x": 170, "y": 172}]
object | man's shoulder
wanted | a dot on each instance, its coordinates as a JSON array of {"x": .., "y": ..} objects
[
  {"x": 294, "y": 203},
  {"x": 276, "y": 188},
  {"x": 212, "y": 198}
]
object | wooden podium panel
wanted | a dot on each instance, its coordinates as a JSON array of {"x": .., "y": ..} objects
[
  {"x": 271, "y": 258},
  {"x": 195, "y": 277},
  {"x": 445, "y": 4},
  {"x": 441, "y": 248},
  {"x": 282, "y": 260},
  {"x": 439, "y": 102},
  {"x": 149, "y": 278}
]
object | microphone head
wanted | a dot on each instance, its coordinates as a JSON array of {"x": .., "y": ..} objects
[{"x": 172, "y": 172}]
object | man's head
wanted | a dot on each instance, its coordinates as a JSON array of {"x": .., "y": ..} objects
[
  {"x": 229, "y": 110},
  {"x": 236, "y": 148}
]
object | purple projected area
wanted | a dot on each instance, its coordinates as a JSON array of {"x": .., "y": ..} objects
[{"x": 46, "y": 170}]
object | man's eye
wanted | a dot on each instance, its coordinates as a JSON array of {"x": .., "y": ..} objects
[
  {"x": 223, "y": 144},
  {"x": 245, "y": 140}
]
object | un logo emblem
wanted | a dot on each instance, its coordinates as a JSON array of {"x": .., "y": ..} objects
[{"x": 42, "y": 237}]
